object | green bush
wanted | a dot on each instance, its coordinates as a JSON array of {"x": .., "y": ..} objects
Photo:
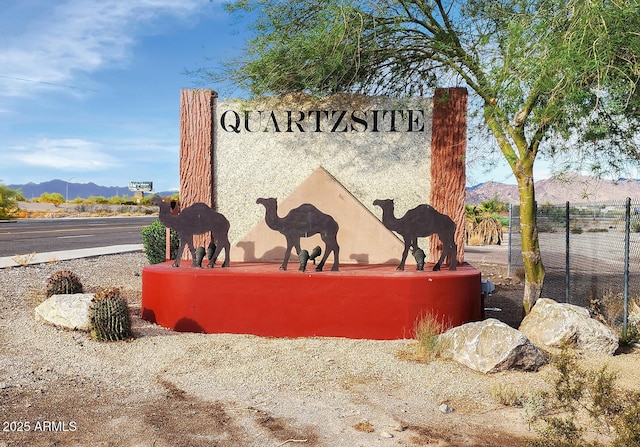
[
  {"x": 51, "y": 197},
  {"x": 154, "y": 241},
  {"x": 9, "y": 202}
]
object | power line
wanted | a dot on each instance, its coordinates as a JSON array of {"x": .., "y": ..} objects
[{"x": 48, "y": 83}]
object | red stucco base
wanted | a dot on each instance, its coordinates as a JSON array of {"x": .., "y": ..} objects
[{"x": 359, "y": 301}]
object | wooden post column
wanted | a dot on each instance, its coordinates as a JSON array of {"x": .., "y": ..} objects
[
  {"x": 448, "y": 156},
  {"x": 197, "y": 132}
]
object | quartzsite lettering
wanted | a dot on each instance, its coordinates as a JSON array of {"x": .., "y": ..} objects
[{"x": 323, "y": 121}]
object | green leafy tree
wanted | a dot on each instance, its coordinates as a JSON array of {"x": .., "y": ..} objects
[
  {"x": 9, "y": 202},
  {"x": 540, "y": 72}
]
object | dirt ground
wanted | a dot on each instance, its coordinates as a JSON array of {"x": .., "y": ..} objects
[{"x": 50, "y": 406}]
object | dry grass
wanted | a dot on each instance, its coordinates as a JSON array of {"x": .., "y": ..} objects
[
  {"x": 428, "y": 346},
  {"x": 23, "y": 260}
]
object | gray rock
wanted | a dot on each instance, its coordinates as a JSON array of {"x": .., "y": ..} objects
[
  {"x": 490, "y": 346},
  {"x": 446, "y": 409},
  {"x": 68, "y": 311},
  {"x": 554, "y": 324}
]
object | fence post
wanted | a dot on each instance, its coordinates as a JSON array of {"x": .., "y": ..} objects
[
  {"x": 627, "y": 235},
  {"x": 567, "y": 270},
  {"x": 510, "y": 238}
]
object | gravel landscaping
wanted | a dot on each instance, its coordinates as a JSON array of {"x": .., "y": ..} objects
[{"x": 60, "y": 388}]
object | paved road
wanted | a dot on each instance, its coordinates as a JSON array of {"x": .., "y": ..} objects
[{"x": 46, "y": 235}]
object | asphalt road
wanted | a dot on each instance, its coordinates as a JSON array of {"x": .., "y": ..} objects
[{"x": 45, "y": 235}]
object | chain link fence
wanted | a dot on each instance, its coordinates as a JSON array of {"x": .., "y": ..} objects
[{"x": 585, "y": 249}]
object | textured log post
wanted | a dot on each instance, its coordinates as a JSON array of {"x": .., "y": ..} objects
[
  {"x": 448, "y": 154},
  {"x": 197, "y": 127}
]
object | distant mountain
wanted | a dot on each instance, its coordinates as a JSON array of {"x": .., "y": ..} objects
[
  {"x": 571, "y": 187},
  {"x": 70, "y": 190}
]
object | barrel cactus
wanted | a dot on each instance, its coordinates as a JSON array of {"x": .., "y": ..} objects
[
  {"x": 63, "y": 282},
  {"x": 109, "y": 318}
]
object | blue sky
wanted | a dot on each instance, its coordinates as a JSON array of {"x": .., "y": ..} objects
[{"x": 90, "y": 89}]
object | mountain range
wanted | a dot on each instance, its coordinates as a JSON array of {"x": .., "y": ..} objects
[
  {"x": 71, "y": 191},
  {"x": 570, "y": 187},
  {"x": 574, "y": 188}
]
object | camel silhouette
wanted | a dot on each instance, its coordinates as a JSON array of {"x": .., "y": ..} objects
[
  {"x": 196, "y": 219},
  {"x": 421, "y": 221},
  {"x": 303, "y": 221}
]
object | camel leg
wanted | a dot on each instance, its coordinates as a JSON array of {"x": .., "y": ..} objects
[
  {"x": 331, "y": 245},
  {"x": 287, "y": 254},
  {"x": 439, "y": 263},
  {"x": 454, "y": 257},
  {"x": 407, "y": 244},
  {"x": 336, "y": 257},
  {"x": 212, "y": 250},
  {"x": 216, "y": 253},
  {"x": 448, "y": 248},
  {"x": 320, "y": 265},
  {"x": 227, "y": 247},
  {"x": 328, "y": 247},
  {"x": 192, "y": 249},
  {"x": 176, "y": 263}
]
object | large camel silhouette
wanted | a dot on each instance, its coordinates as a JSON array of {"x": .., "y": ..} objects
[
  {"x": 196, "y": 219},
  {"x": 303, "y": 221},
  {"x": 421, "y": 221}
]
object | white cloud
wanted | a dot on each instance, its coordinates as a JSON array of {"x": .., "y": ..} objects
[
  {"x": 64, "y": 154},
  {"x": 65, "y": 41}
]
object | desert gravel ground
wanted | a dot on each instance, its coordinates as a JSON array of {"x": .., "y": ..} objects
[{"x": 175, "y": 389}]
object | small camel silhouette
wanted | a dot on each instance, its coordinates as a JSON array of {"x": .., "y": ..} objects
[
  {"x": 196, "y": 219},
  {"x": 304, "y": 221},
  {"x": 421, "y": 221}
]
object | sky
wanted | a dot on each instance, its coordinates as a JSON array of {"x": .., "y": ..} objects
[{"x": 90, "y": 89}]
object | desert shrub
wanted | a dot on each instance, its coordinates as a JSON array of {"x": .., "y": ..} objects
[
  {"x": 507, "y": 395},
  {"x": 98, "y": 200},
  {"x": 51, "y": 197},
  {"x": 630, "y": 336},
  {"x": 9, "y": 202},
  {"x": 584, "y": 399},
  {"x": 428, "y": 345},
  {"x": 576, "y": 229},
  {"x": 154, "y": 238},
  {"x": 534, "y": 402},
  {"x": 545, "y": 226},
  {"x": 608, "y": 308}
]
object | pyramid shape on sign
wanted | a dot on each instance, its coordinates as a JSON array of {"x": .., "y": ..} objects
[{"x": 362, "y": 238}]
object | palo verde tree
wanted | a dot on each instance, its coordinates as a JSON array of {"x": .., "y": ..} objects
[{"x": 547, "y": 76}]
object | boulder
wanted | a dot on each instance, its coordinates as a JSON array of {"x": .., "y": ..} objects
[
  {"x": 554, "y": 324},
  {"x": 491, "y": 346},
  {"x": 70, "y": 311}
]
